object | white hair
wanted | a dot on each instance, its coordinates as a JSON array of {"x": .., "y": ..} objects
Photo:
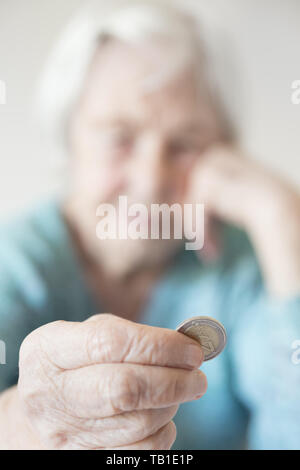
[{"x": 130, "y": 21}]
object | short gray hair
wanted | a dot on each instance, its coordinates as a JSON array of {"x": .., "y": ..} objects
[{"x": 131, "y": 21}]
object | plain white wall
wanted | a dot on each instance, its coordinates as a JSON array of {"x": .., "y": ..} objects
[{"x": 266, "y": 38}]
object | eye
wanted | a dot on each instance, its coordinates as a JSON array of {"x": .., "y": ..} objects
[
  {"x": 120, "y": 139},
  {"x": 114, "y": 140},
  {"x": 121, "y": 136},
  {"x": 181, "y": 147}
]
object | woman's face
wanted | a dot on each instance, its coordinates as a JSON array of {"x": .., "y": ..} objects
[{"x": 127, "y": 140}]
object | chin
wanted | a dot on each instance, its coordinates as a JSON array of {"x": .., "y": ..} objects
[{"x": 125, "y": 257}]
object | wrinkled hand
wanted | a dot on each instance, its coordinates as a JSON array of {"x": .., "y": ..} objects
[{"x": 107, "y": 383}]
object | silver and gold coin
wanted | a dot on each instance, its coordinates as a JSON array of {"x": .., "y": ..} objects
[{"x": 209, "y": 332}]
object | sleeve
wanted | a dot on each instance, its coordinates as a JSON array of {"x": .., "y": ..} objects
[
  {"x": 265, "y": 353},
  {"x": 17, "y": 320},
  {"x": 23, "y": 297}
]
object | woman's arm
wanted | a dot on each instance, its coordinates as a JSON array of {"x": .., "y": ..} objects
[{"x": 241, "y": 192}]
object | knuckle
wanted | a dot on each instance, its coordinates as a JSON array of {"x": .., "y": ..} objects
[
  {"x": 29, "y": 352},
  {"x": 141, "y": 344},
  {"x": 173, "y": 410},
  {"x": 37, "y": 386},
  {"x": 150, "y": 421},
  {"x": 33, "y": 396},
  {"x": 147, "y": 424},
  {"x": 100, "y": 344},
  {"x": 57, "y": 436},
  {"x": 59, "y": 440},
  {"x": 164, "y": 438},
  {"x": 127, "y": 392},
  {"x": 103, "y": 317},
  {"x": 26, "y": 349},
  {"x": 167, "y": 436},
  {"x": 31, "y": 346},
  {"x": 107, "y": 340},
  {"x": 176, "y": 389},
  {"x": 172, "y": 432}
]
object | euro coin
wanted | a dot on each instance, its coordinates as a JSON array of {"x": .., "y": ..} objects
[{"x": 209, "y": 332}]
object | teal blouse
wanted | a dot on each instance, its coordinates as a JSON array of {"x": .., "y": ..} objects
[{"x": 253, "y": 396}]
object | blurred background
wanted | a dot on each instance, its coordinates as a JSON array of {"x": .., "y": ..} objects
[{"x": 266, "y": 39}]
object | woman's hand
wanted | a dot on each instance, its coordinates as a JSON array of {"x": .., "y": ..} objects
[
  {"x": 241, "y": 192},
  {"x": 106, "y": 383}
]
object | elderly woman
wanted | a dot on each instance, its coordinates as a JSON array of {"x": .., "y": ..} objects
[{"x": 101, "y": 366}]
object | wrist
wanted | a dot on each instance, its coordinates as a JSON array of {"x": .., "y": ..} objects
[{"x": 275, "y": 233}]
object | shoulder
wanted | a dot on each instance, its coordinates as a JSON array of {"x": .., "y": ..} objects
[
  {"x": 30, "y": 246},
  {"x": 41, "y": 222}
]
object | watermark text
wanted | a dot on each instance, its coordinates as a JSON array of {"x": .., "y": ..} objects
[{"x": 161, "y": 221}]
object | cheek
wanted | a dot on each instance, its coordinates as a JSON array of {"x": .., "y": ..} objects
[{"x": 99, "y": 183}]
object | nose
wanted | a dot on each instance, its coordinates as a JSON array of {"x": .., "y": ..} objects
[{"x": 146, "y": 173}]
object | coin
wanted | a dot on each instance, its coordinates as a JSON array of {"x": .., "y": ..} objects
[{"x": 209, "y": 332}]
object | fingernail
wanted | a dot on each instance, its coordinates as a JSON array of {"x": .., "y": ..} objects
[
  {"x": 194, "y": 355},
  {"x": 199, "y": 396}
]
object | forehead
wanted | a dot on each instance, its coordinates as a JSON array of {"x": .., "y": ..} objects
[{"x": 117, "y": 86}]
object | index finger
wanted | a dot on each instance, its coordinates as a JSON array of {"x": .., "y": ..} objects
[{"x": 106, "y": 338}]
